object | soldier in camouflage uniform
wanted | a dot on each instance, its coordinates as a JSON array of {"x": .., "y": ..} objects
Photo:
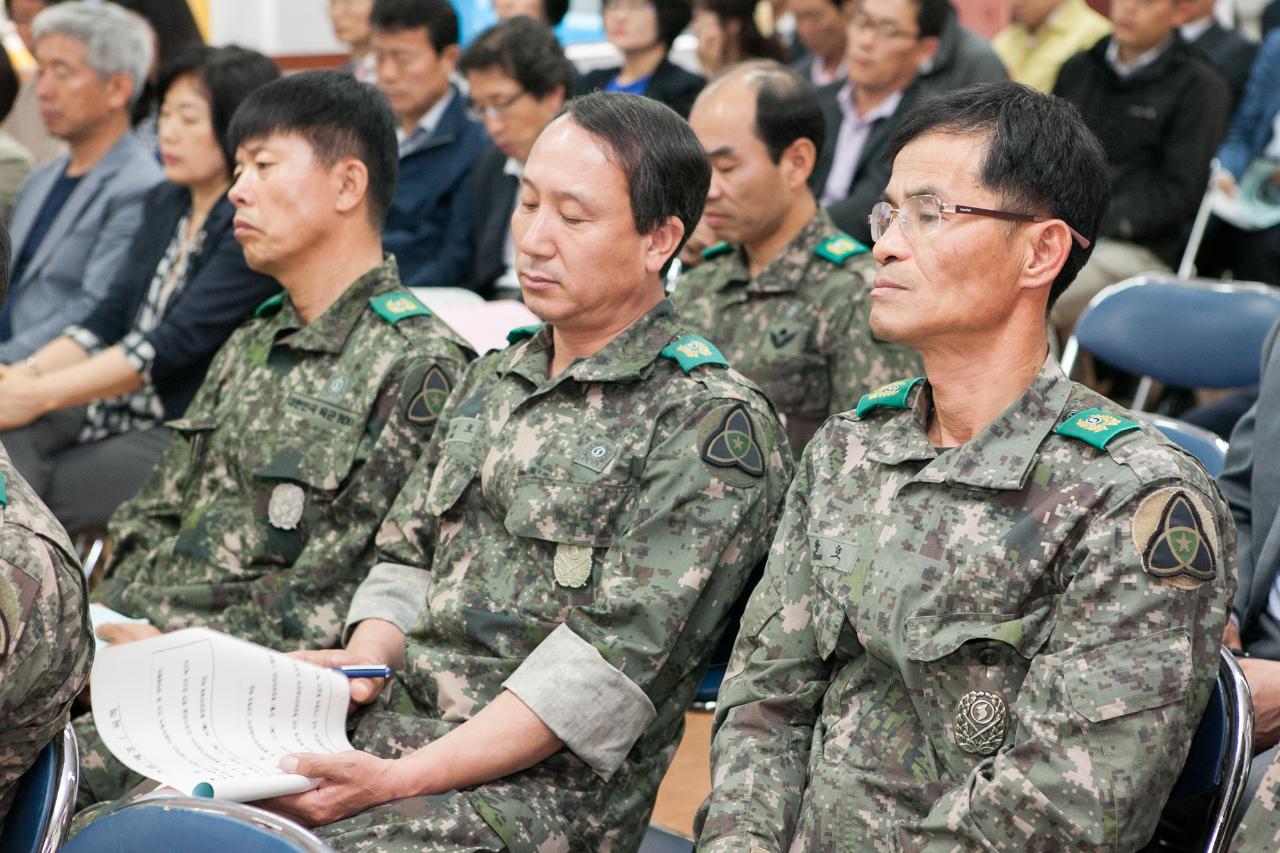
[
  {"x": 990, "y": 618},
  {"x": 45, "y": 643},
  {"x": 786, "y": 297},
  {"x": 260, "y": 519},
  {"x": 566, "y": 554}
]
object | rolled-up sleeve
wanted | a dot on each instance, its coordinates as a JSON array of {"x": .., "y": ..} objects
[
  {"x": 391, "y": 592},
  {"x": 597, "y": 711}
]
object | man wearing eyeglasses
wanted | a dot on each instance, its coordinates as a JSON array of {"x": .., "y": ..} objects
[
  {"x": 429, "y": 226},
  {"x": 518, "y": 78},
  {"x": 991, "y": 614},
  {"x": 888, "y": 42}
]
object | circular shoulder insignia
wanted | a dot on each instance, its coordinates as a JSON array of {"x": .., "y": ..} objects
[
  {"x": 284, "y": 511},
  {"x": 1176, "y": 537},
  {"x": 425, "y": 406},
  {"x": 727, "y": 438}
]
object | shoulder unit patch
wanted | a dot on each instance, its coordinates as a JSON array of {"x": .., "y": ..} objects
[
  {"x": 729, "y": 446},
  {"x": 712, "y": 252},
  {"x": 891, "y": 396},
  {"x": 1095, "y": 426},
  {"x": 691, "y": 351},
  {"x": 1176, "y": 538},
  {"x": 426, "y": 404},
  {"x": 397, "y": 305},
  {"x": 839, "y": 248}
]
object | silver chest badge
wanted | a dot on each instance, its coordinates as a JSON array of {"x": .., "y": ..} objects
[
  {"x": 285, "y": 509},
  {"x": 980, "y": 722},
  {"x": 572, "y": 565}
]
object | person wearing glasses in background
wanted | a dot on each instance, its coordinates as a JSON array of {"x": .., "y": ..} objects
[
  {"x": 429, "y": 226},
  {"x": 888, "y": 42},
  {"x": 518, "y": 78},
  {"x": 644, "y": 31},
  {"x": 991, "y": 614}
]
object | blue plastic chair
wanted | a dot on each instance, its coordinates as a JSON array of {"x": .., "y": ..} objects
[
  {"x": 193, "y": 825},
  {"x": 1216, "y": 769},
  {"x": 709, "y": 688},
  {"x": 659, "y": 840},
  {"x": 1205, "y": 446},
  {"x": 1188, "y": 333},
  {"x": 45, "y": 799}
]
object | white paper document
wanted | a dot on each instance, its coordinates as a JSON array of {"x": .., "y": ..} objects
[{"x": 210, "y": 715}]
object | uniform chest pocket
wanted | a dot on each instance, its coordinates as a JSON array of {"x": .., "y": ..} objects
[
  {"x": 834, "y": 563},
  {"x": 965, "y": 671},
  {"x": 192, "y": 436},
  {"x": 454, "y": 472},
  {"x": 576, "y": 523}
]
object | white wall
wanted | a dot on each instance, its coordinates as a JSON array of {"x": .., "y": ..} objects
[{"x": 275, "y": 27}]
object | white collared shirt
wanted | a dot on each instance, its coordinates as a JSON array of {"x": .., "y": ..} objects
[
  {"x": 1128, "y": 69},
  {"x": 850, "y": 141},
  {"x": 1192, "y": 31},
  {"x": 425, "y": 127},
  {"x": 508, "y": 278}
]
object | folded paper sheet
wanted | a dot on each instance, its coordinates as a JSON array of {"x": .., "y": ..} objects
[{"x": 212, "y": 716}]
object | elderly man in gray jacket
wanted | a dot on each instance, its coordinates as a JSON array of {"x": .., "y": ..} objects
[{"x": 74, "y": 217}]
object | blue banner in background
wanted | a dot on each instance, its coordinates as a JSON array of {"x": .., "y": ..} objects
[{"x": 582, "y": 24}]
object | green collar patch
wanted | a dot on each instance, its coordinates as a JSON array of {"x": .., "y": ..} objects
[
  {"x": 691, "y": 351},
  {"x": 4, "y": 490},
  {"x": 519, "y": 333},
  {"x": 270, "y": 306},
  {"x": 1095, "y": 426},
  {"x": 716, "y": 251},
  {"x": 397, "y": 305},
  {"x": 839, "y": 248},
  {"x": 891, "y": 396}
]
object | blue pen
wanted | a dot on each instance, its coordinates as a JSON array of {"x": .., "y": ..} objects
[{"x": 364, "y": 671}]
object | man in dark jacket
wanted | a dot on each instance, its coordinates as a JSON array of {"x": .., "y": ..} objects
[
  {"x": 429, "y": 226},
  {"x": 1160, "y": 110},
  {"x": 1229, "y": 51}
]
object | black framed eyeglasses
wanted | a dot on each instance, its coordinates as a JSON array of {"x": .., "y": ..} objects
[
  {"x": 922, "y": 214},
  {"x": 497, "y": 109}
]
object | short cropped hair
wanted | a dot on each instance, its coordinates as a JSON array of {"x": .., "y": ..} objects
[
  {"x": 337, "y": 116},
  {"x": 524, "y": 50},
  {"x": 1041, "y": 157},
  {"x": 932, "y": 17},
  {"x": 673, "y": 16},
  {"x": 227, "y": 75},
  {"x": 787, "y": 107},
  {"x": 668, "y": 174},
  {"x": 437, "y": 16},
  {"x": 115, "y": 41},
  {"x": 555, "y": 10}
]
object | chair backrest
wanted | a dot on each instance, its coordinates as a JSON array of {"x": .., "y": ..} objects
[
  {"x": 1213, "y": 778},
  {"x": 1189, "y": 333},
  {"x": 1205, "y": 446},
  {"x": 45, "y": 799},
  {"x": 193, "y": 825}
]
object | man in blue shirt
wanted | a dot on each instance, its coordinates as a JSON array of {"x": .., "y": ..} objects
[{"x": 429, "y": 227}]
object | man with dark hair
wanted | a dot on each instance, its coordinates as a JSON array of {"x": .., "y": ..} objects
[
  {"x": 991, "y": 616},
  {"x": 1160, "y": 110},
  {"x": 518, "y": 78},
  {"x": 786, "y": 296},
  {"x": 430, "y": 225},
  {"x": 888, "y": 42},
  {"x": 549, "y": 12},
  {"x": 260, "y": 519},
  {"x": 1227, "y": 50},
  {"x": 558, "y": 568},
  {"x": 74, "y": 218},
  {"x": 822, "y": 29},
  {"x": 46, "y": 646}
]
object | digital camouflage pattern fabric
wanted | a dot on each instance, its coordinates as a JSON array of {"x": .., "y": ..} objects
[
  {"x": 260, "y": 519},
  {"x": 1260, "y": 828},
  {"x": 586, "y": 537},
  {"x": 46, "y": 646},
  {"x": 799, "y": 329},
  {"x": 1003, "y": 646}
]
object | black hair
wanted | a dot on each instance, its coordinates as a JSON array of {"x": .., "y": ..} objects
[
  {"x": 437, "y": 16},
  {"x": 227, "y": 75},
  {"x": 8, "y": 85},
  {"x": 1041, "y": 157},
  {"x": 932, "y": 17},
  {"x": 668, "y": 174},
  {"x": 526, "y": 51},
  {"x": 337, "y": 116},
  {"x": 673, "y": 16},
  {"x": 751, "y": 43},
  {"x": 176, "y": 30},
  {"x": 787, "y": 107},
  {"x": 555, "y": 10}
]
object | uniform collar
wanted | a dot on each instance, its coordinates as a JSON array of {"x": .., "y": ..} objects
[
  {"x": 786, "y": 272},
  {"x": 999, "y": 457},
  {"x": 627, "y": 357},
  {"x": 329, "y": 331}
]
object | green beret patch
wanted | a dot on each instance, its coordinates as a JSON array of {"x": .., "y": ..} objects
[
  {"x": 839, "y": 248},
  {"x": 398, "y": 305},
  {"x": 691, "y": 351},
  {"x": 891, "y": 396},
  {"x": 1095, "y": 426},
  {"x": 712, "y": 252},
  {"x": 270, "y": 305},
  {"x": 519, "y": 333},
  {"x": 1176, "y": 538}
]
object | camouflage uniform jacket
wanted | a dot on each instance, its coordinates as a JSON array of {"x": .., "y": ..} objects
[
  {"x": 260, "y": 519},
  {"x": 1005, "y": 646},
  {"x": 586, "y": 536},
  {"x": 799, "y": 328},
  {"x": 45, "y": 642}
]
